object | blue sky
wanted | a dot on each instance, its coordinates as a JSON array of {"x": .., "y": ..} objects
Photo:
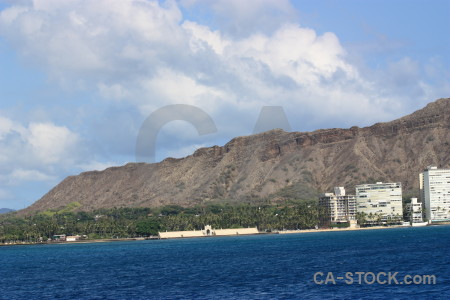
[{"x": 78, "y": 78}]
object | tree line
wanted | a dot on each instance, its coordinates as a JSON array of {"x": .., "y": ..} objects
[{"x": 145, "y": 221}]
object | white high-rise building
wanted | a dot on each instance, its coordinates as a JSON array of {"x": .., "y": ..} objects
[
  {"x": 435, "y": 193},
  {"x": 339, "y": 207},
  {"x": 383, "y": 199}
]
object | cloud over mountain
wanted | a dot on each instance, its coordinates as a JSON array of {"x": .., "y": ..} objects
[{"x": 119, "y": 61}]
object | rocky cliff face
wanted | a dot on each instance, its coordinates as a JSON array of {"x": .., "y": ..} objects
[{"x": 274, "y": 163}]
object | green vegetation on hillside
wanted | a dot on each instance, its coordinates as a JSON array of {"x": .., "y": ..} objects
[{"x": 297, "y": 190}]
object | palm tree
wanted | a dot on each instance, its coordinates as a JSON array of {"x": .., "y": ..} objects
[{"x": 361, "y": 217}]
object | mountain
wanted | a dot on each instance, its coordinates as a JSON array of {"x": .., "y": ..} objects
[
  {"x": 5, "y": 210},
  {"x": 277, "y": 164}
]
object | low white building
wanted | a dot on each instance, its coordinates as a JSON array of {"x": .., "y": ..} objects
[
  {"x": 72, "y": 238},
  {"x": 415, "y": 210},
  {"x": 207, "y": 231}
]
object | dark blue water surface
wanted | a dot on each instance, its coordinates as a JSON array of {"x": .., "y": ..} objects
[{"x": 244, "y": 267}]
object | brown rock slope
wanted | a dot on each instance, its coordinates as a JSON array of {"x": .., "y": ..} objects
[{"x": 274, "y": 163}]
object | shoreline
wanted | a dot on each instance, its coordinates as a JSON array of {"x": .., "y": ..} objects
[
  {"x": 358, "y": 228},
  {"x": 341, "y": 229},
  {"x": 261, "y": 233},
  {"x": 78, "y": 242}
]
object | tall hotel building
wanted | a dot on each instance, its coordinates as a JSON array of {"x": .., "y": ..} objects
[
  {"x": 384, "y": 199},
  {"x": 339, "y": 206},
  {"x": 435, "y": 193}
]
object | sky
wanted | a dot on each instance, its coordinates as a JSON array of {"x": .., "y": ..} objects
[{"x": 78, "y": 78}]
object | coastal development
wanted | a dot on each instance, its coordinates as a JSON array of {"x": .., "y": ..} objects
[
  {"x": 373, "y": 205},
  {"x": 382, "y": 202}
]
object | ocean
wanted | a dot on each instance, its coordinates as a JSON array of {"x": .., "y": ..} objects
[{"x": 373, "y": 264}]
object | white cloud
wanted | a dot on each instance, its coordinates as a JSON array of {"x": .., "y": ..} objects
[
  {"x": 19, "y": 175},
  {"x": 293, "y": 67},
  {"x": 3, "y": 194},
  {"x": 32, "y": 152},
  {"x": 296, "y": 52},
  {"x": 34, "y": 157},
  {"x": 143, "y": 53},
  {"x": 80, "y": 37},
  {"x": 6, "y": 125},
  {"x": 202, "y": 36},
  {"x": 97, "y": 165},
  {"x": 9, "y": 15},
  {"x": 114, "y": 91},
  {"x": 50, "y": 143},
  {"x": 174, "y": 87},
  {"x": 241, "y": 18}
]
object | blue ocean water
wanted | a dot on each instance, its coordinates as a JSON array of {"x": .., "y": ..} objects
[{"x": 244, "y": 267}]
